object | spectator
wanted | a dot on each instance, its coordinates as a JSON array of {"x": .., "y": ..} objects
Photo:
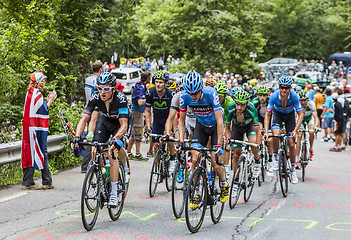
[
  {"x": 327, "y": 115},
  {"x": 143, "y": 65},
  {"x": 346, "y": 89},
  {"x": 311, "y": 92},
  {"x": 153, "y": 67},
  {"x": 319, "y": 100},
  {"x": 35, "y": 130},
  {"x": 105, "y": 66},
  {"x": 160, "y": 64},
  {"x": 138, "y": 109},
  {"x": 339, "y": 120},
  {"x": 345, "y": 107},
  {"x": 148, "y": 64}
]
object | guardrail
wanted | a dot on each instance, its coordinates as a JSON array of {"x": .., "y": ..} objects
[{"x": 11, "y": 152}]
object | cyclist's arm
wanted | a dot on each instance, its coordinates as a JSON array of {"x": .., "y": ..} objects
[
  {"x": 316, "y": 119},
  {"x": 220, "y": 126},
  {"x": 81, "y": 125},
  {"x": 228, "y": 132},
  {"x": 267, "y": 118},
  {"x": 93, "y": 120},
  {"x": 299, "y": 120},
  {"x": 170, "y": 120},
  {"x": 123, "y": 128},
  {"x": 181, "y": 126},
  {"x": 148, "y": 118}
]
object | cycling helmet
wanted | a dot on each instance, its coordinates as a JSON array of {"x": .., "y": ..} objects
[
  {"x": 298, "y": 88},
  {"x": 253, "y": 82},
  {"x": 303, "y": 94},
  {"x": 241, "y": 96},
  {"x": 179, "y": 82},
  {"x": 262, "y": 90},
  {"x": 107, "y": 78},
  {"x": 285, "y": 80},
  {"x": 172, "y": 85},
  {"x": 236, "y": 89},
  {"x": 162, "y": 74},
  {"x": 192, "y": 82},
  {"x": 210, "y": 82},
  {"x": 221, "y": 87}
]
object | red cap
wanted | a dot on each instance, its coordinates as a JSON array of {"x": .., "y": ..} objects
[{"x": 119, "y": 86}]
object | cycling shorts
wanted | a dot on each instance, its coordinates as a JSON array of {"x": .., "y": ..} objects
[
  {"x": 280, "y": 118},
  {"x": 308, "y": 123},
  {"x": 158, "y": 127},
  {"x": 202, "y": 134},
  {"x": 238, "y": 133}
]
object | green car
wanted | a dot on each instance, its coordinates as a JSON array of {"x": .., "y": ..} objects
[{"x": 315, "y": 78}]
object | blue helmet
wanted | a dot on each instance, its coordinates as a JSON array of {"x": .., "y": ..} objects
[
  {"x": 285, "y": 80},
  {"x": 236, "y": 89},
  {"x": 192, "y": 82},
  {"x": 107, "y": 78}
]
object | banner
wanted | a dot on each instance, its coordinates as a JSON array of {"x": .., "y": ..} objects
[{"x": 124, "y": 60}]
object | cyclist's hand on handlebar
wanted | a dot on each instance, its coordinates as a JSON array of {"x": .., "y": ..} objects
[
  {"x": 180, "y": 146},
  {"x": 165, "y": 137},
  {"x": 75, "y": 142},
  {"x": 147, "y": 132},
  {"x": 293, "y": 134},
  {"x": 220, "y": 150},
  {"x": 116, "y": 144}
]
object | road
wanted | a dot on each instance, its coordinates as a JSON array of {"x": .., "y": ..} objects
[{"x": 319, "y": 208}]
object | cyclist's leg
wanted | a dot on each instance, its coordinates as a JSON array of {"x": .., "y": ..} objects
[
  {"x": 289, "y": 120},
  {"x": 298, "y": 142},
  {"x": 311, "y": 126},
  {"x": 237, "y": 134},
  {"x": 199, "y": 140}
]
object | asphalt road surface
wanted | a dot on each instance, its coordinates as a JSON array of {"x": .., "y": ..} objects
[{"x": 319, "y": 208}]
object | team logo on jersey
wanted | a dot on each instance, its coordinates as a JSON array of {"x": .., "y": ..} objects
[
  {"x": 160, "y": 105},
  {"x": 215, "y": 99}
]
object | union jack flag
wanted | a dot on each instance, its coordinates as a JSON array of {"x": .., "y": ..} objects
[{"x": 35, "y": 129}]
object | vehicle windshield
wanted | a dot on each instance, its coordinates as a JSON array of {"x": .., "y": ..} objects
[{"x": 121, "y": 76}]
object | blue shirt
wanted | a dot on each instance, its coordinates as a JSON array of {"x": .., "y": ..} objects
[
  {"x": 292, "y": 103},
  {"x": 311, "y": 94},
  {"x": 329, "y": 103},
  {"x": 204, "y": 109},
  {"x": 138, "y": 93}
]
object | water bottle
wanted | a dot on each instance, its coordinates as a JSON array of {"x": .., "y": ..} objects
[
  {"x": 209, "y": 178},
  {"x": 189, "y": 162},
  {"x": 107, "y": 167}
]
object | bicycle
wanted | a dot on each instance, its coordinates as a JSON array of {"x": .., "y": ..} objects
[
  {"x": 97, "y": 186},
  {"x": 243, "y": 174},
  {"x": 284, "y": 164},
  {"x": 263, "y": 152},
  {"x": 179, "y": 186},
  {"x": 159, "y": 170},
  {"x": 203, "y": 189},
  {"x": 304, "y": 156}
]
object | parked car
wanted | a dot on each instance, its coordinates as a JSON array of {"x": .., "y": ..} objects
[
  {"x": 127, "y": 77},
  {"x": 312, "y": 77},
  {"x": 290, "y": 63}
]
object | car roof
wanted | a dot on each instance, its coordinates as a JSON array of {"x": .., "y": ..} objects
[{"x": 125, "y": 70}]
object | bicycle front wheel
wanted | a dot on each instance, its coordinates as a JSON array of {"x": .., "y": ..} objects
[
  {"x": 217, "y": 207},
  {"x": 90, "y": 198},
  {"x": 168, "y": 175},
  {"x": 115, "y": 213},
  {"x": 196, "y": 200},
  {"x": 283, "y": 174},
  {"x": 249, "y": 185},
  {"x": 179, "y": 187},
  {"x": 237, "y": 183},
  {"x": 304, "y": 160},
  {"x": 155, "y": 175}
]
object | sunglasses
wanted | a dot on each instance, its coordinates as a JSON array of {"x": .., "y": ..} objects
[
  {"x": 285, "y": 88},
  {"x": 105, "y": 89},
  {"x": 194, "y": 94},
  {"x": 241, "y": 104}
]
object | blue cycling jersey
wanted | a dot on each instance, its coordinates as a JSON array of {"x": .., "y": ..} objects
[
  {"x": 292, "y": 103},
  {"x": 204, "y": 109}
]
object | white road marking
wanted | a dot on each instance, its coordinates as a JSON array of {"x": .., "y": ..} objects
[{"x": 16, "y": 195}]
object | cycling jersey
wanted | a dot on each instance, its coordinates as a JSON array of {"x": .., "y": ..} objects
[
  {"x": 292, "y": 103},
  {"x": 205, "y": 108},
  {"x": 261, "y": 109},
  {"x": 190, "y": 120},
  {"x": 160, "y": 107},
  {"x": 227, "y": 101},
  {"x": 307, "y": 112},
  {"x": 117, "y": 108},
  {"x": 250, "y": 115}
]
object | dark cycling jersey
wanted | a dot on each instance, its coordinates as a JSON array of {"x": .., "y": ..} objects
[
  {"x": 292, "y": 103},
  {"x": 250, "y": 115},
  {"x": 117, "y": 109},
  {"x": 261, "y": 109},
  {"x": 161, "y": 106}
]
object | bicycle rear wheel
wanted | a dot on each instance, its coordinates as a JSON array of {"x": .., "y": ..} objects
[
  {"x": 90, "y": 200},
  {"x": 217, "y": 208},
  {"x": 168, "y": 175},
  {"x": 197, "y": 196},
  {"x": 304, "y": 160},
  {"x": 155, "y": 175},
  {"x": 179, "y": 190},
  {"x": 264, "y": 162},
  {"x": 237, "y": 183},
  {"x": 115, "y": 213},
  {"x": 250, "y": 183},
  {"x": 283, "y": 174}
]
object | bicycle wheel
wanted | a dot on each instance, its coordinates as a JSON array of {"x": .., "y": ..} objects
[
  {"x": 217, "y": 208},
  {"x": 264, "y": 162},
  {"x": 304, "y": 160},
  {"x": 197, "y": 196},
  {"x": 237, "y": 183},
  {"x": 115, "y": 213},
  {"x": 90, "y": 198},
  {"x": 168, "y": 175},
  {"x": 179, "y": 187},
  {"x": 249, "y": 184},
  {"x": 283, "y": 174},
  {"x": 155, "y": 175}
]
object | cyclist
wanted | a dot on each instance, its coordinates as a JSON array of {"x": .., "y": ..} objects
[
  {"x": 114, "y": 116},
  {"x": 241, "y": 118},
  {"x": 204, "y": 103},
  {"x": 210, "y": 82},
  {"x": 222, "y": 88},
  {"x": 310, "y": 120},
  {"x": 261, "y": 103},
  {"x": 172, "y": 85},
  {"x": 282, "y": 103},
  {"x": 159, "y": 98}
]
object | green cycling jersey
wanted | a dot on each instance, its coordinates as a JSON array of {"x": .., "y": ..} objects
[
  {"x": 227, "y": 101},
  {"x": 250, "y": 115}
]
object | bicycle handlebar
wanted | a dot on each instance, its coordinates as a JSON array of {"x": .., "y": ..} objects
[
  {"x": 231, "y": 141},
  {"x": 204, "y": 149},
  {"x": 170, "y": 138}
]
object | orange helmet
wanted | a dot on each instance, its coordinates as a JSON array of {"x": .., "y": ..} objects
[{"x": 210, "y": 82}]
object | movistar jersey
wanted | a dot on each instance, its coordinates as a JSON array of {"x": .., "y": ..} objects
[
  {"x": 292, "y": 103},
  {"x": 159, "y": 106},
  {"x": 307, "y": 112},
  {"x": 205, "y": 108},
  {"x": 250, "y": 115}
]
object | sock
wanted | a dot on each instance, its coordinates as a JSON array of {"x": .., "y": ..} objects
[
  {"x": 114, "y": 188},
  {"x": 223, "y": 183},
  {"x": 129, "y": 153},
  {"x": 137, "y": 154},
  {"x": 275, "y": 154},
  {"x": 292, "y": 167},
  {"x": 270, "y": 158},
  {"x": 126, "y": 168},
  {"x": 311, "y": 148},
  {"x": 297, "y": 159}
]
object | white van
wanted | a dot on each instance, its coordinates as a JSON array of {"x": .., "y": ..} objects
[{"x": 127, "y": 77}]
